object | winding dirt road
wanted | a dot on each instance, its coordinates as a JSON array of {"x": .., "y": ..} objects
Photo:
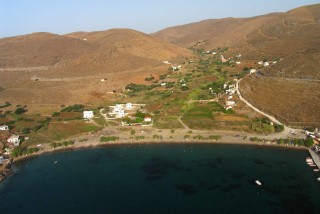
[{"x": 287, "y": 130}]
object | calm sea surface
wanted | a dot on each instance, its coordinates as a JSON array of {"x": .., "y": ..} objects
[{"x": 164, "y": 179}]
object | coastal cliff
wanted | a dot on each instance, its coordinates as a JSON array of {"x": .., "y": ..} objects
[{"x": 5, "y": 170}]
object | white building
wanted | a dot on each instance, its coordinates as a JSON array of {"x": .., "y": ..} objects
[
  {"x": 163, "y": 84},
  {"x": 14, "y": 139},
  {"x": 230, "y": 103},
  {"x": 260, "y": 63},
  {"x": 120, "y": 114},
  {"x": 4, "y": 128},
  {"x": 228, "y": 107},
  {"x": 147, "y": 119},
  {"x": 223, "y": 59},
  {"x": 253, "y": 71},
  {"x": 265, "y": 64},
  {"x": 129, "y": 106},
  {"x": 88, "y": 114},
  {"x": 238, "y": 63}
]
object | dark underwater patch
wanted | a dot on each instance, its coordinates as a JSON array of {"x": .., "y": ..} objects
[
  {"x": 214, "y": 187},
  {"x": 153, "y": 178},
  {"x": 231, "y": 187},
  {"x": 211, "y": 164},
  {"x": 186, "y": 189},
  {"x": 94, "y": 160},
  {"x": 237, "y": 175},
  {"x": 257, "y": 161},
  {"x": 219, "y": 160},
  {"x": 156, "y": 168}
]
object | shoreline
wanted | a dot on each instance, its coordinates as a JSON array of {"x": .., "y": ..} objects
[{"x": 76, "y": 147}]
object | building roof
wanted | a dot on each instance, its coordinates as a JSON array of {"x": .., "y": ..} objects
[{"x": 13, "y": 136}]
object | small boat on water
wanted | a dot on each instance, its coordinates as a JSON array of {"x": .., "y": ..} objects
[
  {"x": 55, "y": 162},
  {"x": 312, "y": 165},
  {"x": 308, "y": 159},
  {"x": 318, "y": 179},
  {"x": 258, "y": 182},
  {"x": 316, "y": 170}
]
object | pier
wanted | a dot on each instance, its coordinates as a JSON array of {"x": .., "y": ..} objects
[{"x": 315, "y": 157}]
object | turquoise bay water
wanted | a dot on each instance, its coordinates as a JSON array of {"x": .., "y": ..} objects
[{"x": 164, "y": 179}]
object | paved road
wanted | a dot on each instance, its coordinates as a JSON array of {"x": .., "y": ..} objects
[{"x": 287, "y": 129}]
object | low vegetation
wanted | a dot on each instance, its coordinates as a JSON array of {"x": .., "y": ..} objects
[
  {"x": 294, "y": 142},
  {"x": 108, "y": 139},
  {"x": 73, "y": 108}
]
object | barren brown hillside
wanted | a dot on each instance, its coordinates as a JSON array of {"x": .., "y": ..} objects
[
  {"x": 293, "y": 101},
  {"x": 46, "y": 68},
  {"x": 40, "y": 49}
]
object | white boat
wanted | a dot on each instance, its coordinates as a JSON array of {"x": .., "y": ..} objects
[
  {"x": 312, "y": 165},
  {"x": 258, "y": 182},
  {"x": 308, "y": 159},
  {"x": 316, "y": 170},
  {"x": 318, "y": 179},
  {"x": 55, "y": 162}
]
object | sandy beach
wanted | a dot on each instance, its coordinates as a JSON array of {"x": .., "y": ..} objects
[{"x": 178, "y": 137}]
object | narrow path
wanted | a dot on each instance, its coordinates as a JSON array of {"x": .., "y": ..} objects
[
  {"x": 292, "y": 79},
  {"x": 287, "y": 130},
  {"x": 182, "y": 123},
  {"x": 264, "y": 35},
  {"x": 98, "y": 77},
  {"x": 203, "y": 101},
  {"x": 284, "y": 24}
]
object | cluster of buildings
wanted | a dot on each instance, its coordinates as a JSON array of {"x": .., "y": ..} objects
[
  {"x": 9, "y": 139},
  {"x": 230, "y": 91},
  {"x": 14, "y": 139},
  {"x": 174, "y": 68},
  {"x": 314, "y": 135},
  {"x": 232, "y": 59},
  {"x": 120, "y": 110},
  {"x": 213, "y": 52},
  {"x": 266, "y": 63}
]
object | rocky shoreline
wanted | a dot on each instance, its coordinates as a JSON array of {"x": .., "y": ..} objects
[{"x": 5, "y": 170}]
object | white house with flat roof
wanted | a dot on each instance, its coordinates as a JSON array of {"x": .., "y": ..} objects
[
  {"x": 129, "y": 106},
  {"x": 14, "y": 139},
  {"x": 4, "y": 128},
  {"x": 88, "y": 114},
  {"x": 147, "y": 119},
  {"x": 253, "y": 71},
  {"x": 120, "y": 114}
]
